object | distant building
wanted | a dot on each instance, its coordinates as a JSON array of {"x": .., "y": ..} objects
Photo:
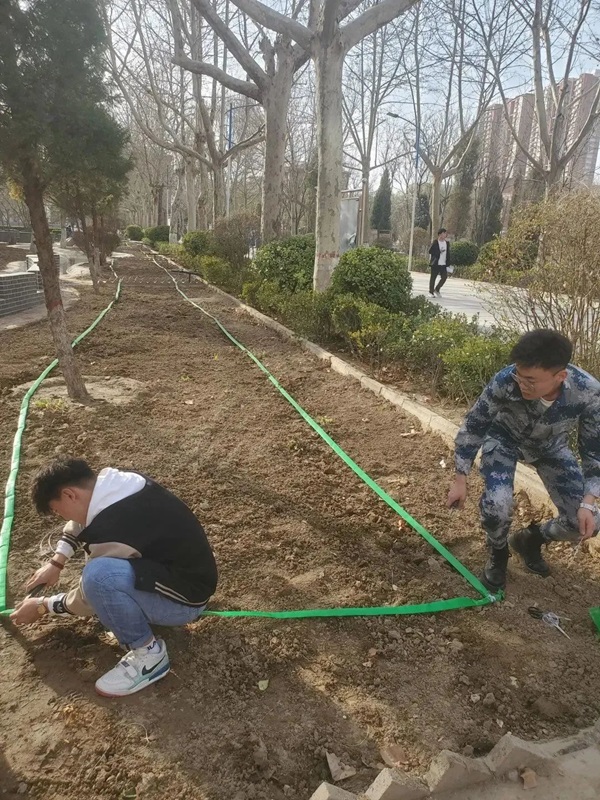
[{"x": 502, "y": 156}]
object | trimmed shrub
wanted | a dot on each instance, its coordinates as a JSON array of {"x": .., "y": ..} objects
[
  {"x": 170, "y": 250},
  {"x": 220, "y": 272},
  {"x": 463, "y": 253},
  {"x": 197, "y": 243},
  {"x": 419, "y": 310},
  {"x": 306, "y": 312},
  {"x": 264, "y": 295},
  {"x": 159, "y": 233},
  {"x": 373, "y": 332},
  {"x": 471, "y": 365},
  {"x": 148, "y": 242},
  {"x": 432, "y": 339},
  {"x": 232, "y": 239},
  {"x": 420, "y": 264},
  {"x": 375, "y": 275},
  {"x": 288, "y": 262},
  {"x": 134, "y": 233}
]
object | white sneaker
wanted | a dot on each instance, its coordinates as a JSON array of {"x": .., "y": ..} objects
[
  {"x": 437, "y": 293},
  {"x": 136, "y": 670}
]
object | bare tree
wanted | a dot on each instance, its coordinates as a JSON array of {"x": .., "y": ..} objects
[
  {"x": 270, "y": 86},
  {"x": 372, "y": 75},
  {"x": 169, "y": 108},
  {"x": 458, "y": 70},
  {"x": 559, "y": 32},
  {"x": 328, "y": 42}
]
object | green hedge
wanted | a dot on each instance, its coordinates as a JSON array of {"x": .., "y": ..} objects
[
  {"x": 375, "y": 275},
  {"x": 159, "y": 233},
  {"x": 470, "y": 365},
  {"x": 374, "y": 333},
  {"x": 287, "y": 262},
  {"x": 135, "y": 233},
  {"x": 198, "y": 243},
  {"x": 463, "y": 253}
]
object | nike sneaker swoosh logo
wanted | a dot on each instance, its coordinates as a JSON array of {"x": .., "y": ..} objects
[{"x": 146, "y": 671}]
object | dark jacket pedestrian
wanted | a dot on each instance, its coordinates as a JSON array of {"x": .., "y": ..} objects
[{"x": 439, "y": 263}]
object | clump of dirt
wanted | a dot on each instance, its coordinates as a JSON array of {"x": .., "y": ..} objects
[{"x": 292, "y": 528}]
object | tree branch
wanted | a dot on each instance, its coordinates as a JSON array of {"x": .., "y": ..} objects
[
  {"x": 269, "y": 18},
  {"x": 235, "y": 47},
  {"x": 372, "y": 19},
  {"x": 252, "y": 141},
  {"x": 246, "y": 88}
]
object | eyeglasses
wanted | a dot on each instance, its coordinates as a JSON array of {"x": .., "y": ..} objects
[{"x": 528, "y": 383}]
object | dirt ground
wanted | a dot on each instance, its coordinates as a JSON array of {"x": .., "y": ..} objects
[{"x": 291, "y": 527}]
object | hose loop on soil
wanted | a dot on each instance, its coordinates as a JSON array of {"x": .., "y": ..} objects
[
  {"x": 423, "y": 608},
  {"x": 9, "y": 492}
]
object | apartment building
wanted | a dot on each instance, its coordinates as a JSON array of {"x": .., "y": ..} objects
[{"x": 501, "y": 154}]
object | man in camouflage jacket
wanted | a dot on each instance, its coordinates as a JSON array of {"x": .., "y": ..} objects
[{"x": 527, "y": 413}]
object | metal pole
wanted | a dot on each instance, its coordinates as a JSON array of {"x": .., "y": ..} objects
[
  {"x": 229, "y": 146},
  {"x": 414, "y": 205}
]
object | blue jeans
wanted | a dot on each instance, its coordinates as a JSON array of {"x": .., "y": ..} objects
[{"x": 109, "y": 587}]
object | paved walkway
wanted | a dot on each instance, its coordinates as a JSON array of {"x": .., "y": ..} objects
[{"x": 458, "y": 296}]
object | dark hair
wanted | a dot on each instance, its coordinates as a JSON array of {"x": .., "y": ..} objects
[
  {"x": 53, "y": 477},
  {"x": 543, "y": 348},
  {"x": 442, "y": 230}
]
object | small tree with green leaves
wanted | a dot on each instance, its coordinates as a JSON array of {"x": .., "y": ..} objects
[
  {"x": 93, "y": 178},
  {"x": 381, "y": 215},
  {"x": 49, "y": 50}
]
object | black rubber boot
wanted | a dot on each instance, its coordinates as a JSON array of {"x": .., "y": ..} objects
[
  {"x": 494, "y": 573},
  {"x": 528, "y": 544}
]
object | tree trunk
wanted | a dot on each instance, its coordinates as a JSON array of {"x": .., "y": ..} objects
[
  {"x": 436, "y": 195},
  {"x": 218, "y": 193},
  {"x": 102, "y": 244},
  {"x": 190, "y": 193},
  {"x": 162, "y": 206},
  {"x": 366, "y": 175},
  {"x": 329, "y": 62},
  {"x": 203, "y": 197},
  {"x": 34, "y": 198},
  {"x": 95, "y": 260},
  {"x": 276, "y": 102}
]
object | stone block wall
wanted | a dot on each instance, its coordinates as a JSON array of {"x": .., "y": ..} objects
[{"x": 20, "y": 291}]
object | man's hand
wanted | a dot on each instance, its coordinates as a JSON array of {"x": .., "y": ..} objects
[
  {"x": 26, "y": 612},
  {"x": 458, "y": 492},
  {"x": 48, "y": 574},
  {"x": 587, "y": 523}
]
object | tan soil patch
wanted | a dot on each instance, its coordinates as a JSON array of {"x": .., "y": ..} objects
[{"x": 114, "y": 390}]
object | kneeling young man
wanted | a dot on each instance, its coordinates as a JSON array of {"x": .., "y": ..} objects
[
  {"x": 150, "y": 563},
  {"x": 526, "y": 413}
]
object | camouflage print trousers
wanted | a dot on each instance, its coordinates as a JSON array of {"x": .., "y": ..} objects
[{"x": 560, "y": 474}]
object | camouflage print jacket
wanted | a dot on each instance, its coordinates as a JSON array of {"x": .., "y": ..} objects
[{"x": 530, "y": 428}]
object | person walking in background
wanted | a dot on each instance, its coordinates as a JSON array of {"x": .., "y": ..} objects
[{"x": 439, "y": 263}]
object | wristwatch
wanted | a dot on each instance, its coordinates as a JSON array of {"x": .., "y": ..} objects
[
  {"x": 41, "y": 607},
  {"x": 588, "y": 507}
]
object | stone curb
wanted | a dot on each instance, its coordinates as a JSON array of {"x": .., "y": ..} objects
[
  {"x": 451, "y": 773},
  {"x": 525, "y": 479}
]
